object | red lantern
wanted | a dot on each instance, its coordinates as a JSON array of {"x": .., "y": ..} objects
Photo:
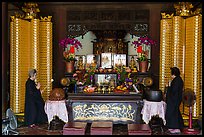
[
  {"x": 139, "y": 49},
  {"x": 72, "y": 50}
]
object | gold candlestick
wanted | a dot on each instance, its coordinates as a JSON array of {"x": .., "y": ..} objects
[
  {"x": 103, "y": 89},
  {"x": 99, "y": 89},
  {"x": 109, "y": 89}
]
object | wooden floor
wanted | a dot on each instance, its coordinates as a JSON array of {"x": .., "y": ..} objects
[{"x": 118, "y": 129}]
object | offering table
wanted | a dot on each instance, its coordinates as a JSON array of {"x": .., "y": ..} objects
[{"x": 116, "y": 107}]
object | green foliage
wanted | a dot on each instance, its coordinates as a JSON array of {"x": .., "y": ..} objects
[
  {"x": 89, "y": 71},
  {"x": 70, "y": 59},
  {"x": 142, "y": 58}
]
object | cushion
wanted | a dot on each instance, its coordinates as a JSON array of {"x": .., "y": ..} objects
[
  {"x": 74, "y": 128},
  {"x": 139, "y": 129},
  {"x": 101, "y": 128}
]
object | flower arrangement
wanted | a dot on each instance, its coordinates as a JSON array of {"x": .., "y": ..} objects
[
  {"x": 140, "y": 45},
  {"x": 84, "y": 76},
  {"x": 69, "y": 45},
  {"x": 122, "y": 74},
  {"x": 89, "y": 74},
  {"x": 68, "y": 56}
]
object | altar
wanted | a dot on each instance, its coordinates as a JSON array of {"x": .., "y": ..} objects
[
  {"x": 115, "y": 107},
  {"x": 109, "y": 84}
]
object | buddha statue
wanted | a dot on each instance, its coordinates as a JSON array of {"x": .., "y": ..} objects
[
  {"x": 110, "y": 49},
  {"x": 80, "y": 63},
  {"x": 132, "y": 63}
]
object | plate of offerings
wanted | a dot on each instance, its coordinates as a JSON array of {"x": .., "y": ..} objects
[{"x": 121, "y": 89}]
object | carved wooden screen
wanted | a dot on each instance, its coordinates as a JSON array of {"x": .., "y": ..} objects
[{"x": 135, "y": 22}]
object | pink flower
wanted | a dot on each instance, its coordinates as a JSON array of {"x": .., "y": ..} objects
[
  {"x": 139, "y": 46},
  {"x": 144, "y": 40},
  {"x": 75, "y": 75}
]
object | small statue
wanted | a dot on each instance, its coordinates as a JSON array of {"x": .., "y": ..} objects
[
  {"x": 132, "y": 63},
  {"x": 120, "y": 46},
  {"x": 80, "y": 63},
  {"x": 94, "y": 62},
  {"x": 110, "y": 49}
]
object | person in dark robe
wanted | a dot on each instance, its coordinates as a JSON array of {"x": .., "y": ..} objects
[
  {"x": 174, "y": 120},
  {"x": 34, "y": 103}
]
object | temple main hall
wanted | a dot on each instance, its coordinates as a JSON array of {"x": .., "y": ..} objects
[{"x": 104, "y": 68}]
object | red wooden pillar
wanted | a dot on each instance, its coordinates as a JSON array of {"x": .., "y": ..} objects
[{"x": 5, "y": 58}]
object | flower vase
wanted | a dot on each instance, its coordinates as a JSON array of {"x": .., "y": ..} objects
[
  {"x": 143, "y": 65},
  {"x": 70, "y": 67}
]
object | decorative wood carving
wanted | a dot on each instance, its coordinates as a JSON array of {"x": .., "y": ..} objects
[{"x": 133, "y": 21}]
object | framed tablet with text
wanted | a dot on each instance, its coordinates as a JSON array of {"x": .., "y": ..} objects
[
  {"x": 92, "y": 60},
  {"x": 106, "y": 60},
  {"x": 89, "y": 59},
  {"x": 120, "y": 60}
]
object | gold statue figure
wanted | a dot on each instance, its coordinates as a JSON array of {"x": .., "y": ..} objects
[
  {"x": 132, "y": 63},
  {"x": 80, "y": 65}
]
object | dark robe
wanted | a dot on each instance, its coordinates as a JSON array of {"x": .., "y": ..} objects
[
  {"x": 34, "y": 105},
  {"x": 173, "y": 115}
]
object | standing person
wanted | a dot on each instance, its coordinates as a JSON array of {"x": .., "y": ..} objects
[
  {"x": 34, "y": 103},
  {"x": 174, "y": 120}
]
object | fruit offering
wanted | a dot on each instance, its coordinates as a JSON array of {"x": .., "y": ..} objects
[
  {"x": 121, "y": 88},
  {"x": 88, "y": 89}
]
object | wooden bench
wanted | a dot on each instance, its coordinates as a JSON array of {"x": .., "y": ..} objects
[
  {"x": 139, "y": 129},
  {"x": 101, "y": 128},
  {"x": 74, "y": 128}
]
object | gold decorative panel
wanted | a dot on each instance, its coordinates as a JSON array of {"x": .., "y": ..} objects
[
  {"x": 30, "y": 47},
  {"x": 178, "y": 45},
  {"x": 19, "y": 62},
  {"x": 46, "y": 57},
  {"x": 193, "y": 60},
  {"x": 181, "y": 46},
  {"x": 165, "y": 51},
  {"x": 104, "y": 111},
  {"x": 35, "y": 45}
]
